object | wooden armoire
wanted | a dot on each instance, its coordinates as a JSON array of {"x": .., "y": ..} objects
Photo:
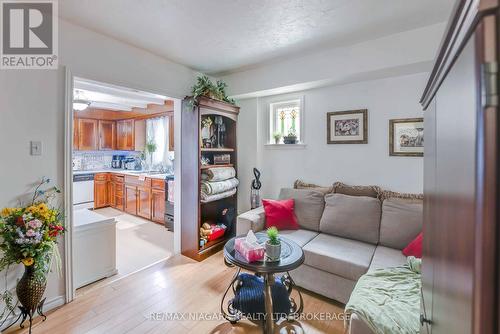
[{"x": 460, "y": 269}]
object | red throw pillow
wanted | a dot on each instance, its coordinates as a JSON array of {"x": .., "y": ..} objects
[
  {"x": 280, "y": 214},
  {"x": 414, "y": 248}
]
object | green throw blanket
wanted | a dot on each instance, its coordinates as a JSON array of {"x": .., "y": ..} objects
[{"x": 388, "y": 300}]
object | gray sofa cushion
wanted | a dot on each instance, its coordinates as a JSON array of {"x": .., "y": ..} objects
[
  {"x": 385, "y": 257},
  {"x": 353, "y": 217},
  {"x": 401, "y": 222},
  {"x": 345, "y": 189},
  {"x": 309, "y": 205},
  {"x": 300, "y": 236},
  {"x": 343, "y": 257},
  {"x": 299, "y": 184}
]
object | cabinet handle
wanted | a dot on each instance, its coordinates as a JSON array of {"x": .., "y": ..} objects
[{"x": 424, "y": 320}]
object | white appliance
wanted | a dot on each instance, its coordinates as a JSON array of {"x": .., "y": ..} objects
[
  {"x": 83, "y": 190},
  {"x": 94, "y": 247}
]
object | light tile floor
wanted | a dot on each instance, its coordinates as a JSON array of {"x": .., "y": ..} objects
[{"x": 139, "y": 243}]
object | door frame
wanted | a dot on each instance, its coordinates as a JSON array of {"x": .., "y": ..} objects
[{"x": 70, "y": 290}]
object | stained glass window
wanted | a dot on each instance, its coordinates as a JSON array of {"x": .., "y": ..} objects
[{"x": 285, "y": 118}]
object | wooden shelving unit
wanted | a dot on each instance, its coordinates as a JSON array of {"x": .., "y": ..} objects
[
  {"x": 215, "y": 166},
  {"x": 225, "y": 149},
  {"x": 193, "y": 212}
]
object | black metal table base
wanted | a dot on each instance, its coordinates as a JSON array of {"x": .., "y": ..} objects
[
  {"x": 233, "y": 315},
  {"x": 28, "y": 314}
]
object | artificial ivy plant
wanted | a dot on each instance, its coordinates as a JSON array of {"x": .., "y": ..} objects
[{"x": 205, "y": 87}]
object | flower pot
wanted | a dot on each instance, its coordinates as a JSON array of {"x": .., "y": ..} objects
[
  {"x": 30, "y": 289},
  {"x": 273, "y": 252},
  {"x": 290, "y": 140},
  {"x": 277, "y": 140}
]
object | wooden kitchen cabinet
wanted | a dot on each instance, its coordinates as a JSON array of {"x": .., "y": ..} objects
[
  {"x": 111, "y": 194},
  {"x": 107, "y": 135},
  {"x": 158, "y": 205},
  {"x": 75, "y": 134},
  {"x": 144, "y": 202},
  {"x": 117, "y": 182},
  {"x": 125, "y": 135},
  {"x": 139, "y": 197},
  {"x": 87, "y": 134},
  {"x": 171, "y": 132},
  {"x": 130, "y": 199},
  {"x": 101, "y": 193}
]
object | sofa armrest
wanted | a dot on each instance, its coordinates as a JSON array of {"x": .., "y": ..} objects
[
  {"x": 358, "y": 326},
  {"x": 251, "y": 220}
]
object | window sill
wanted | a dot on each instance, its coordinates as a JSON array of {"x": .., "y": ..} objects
[{"x": 298, "y": 146}]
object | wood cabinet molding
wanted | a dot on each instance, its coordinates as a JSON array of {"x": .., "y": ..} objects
[{"x": 467, "y": 14}]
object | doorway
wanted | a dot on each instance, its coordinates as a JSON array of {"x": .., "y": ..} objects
[{"x": 121, "y": 173}]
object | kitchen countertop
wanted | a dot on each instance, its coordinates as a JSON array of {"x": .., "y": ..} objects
[
  {"x": 124, "y": 172},
  {"x": 86, "y": 217}
]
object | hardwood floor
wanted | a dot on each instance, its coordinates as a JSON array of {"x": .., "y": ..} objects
[{"x": 177, "y": 285}]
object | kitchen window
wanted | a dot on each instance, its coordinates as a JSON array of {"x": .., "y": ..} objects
[{"x": 286, "y": 122}]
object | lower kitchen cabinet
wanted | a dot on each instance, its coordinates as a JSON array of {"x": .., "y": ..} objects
[
  {"x": 130, "y": 199},
  {"x": 158, "y": 205},
  {"x": 144, "y": 202},
  {"x": 111, "y": 194},
  {"x": 143, "y": 198},
  {"x": 101, "y": 190}
]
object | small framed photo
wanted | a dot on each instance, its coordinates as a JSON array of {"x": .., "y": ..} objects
[
  {"x": 347, "y": 127},
  {"x": 406, "y": 137}
]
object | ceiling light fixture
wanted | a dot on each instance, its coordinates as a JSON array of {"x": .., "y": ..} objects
[{"x": 80, "y": 105}]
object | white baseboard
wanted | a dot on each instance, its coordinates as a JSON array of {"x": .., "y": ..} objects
[
  {"x": 47, "y": 306},
  {"x": 53, "y": 303}
]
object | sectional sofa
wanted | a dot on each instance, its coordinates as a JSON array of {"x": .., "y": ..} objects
[{"x": 344, "y": 232}]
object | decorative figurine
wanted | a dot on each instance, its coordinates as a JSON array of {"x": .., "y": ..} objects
[{"x": 255, "y": 192}]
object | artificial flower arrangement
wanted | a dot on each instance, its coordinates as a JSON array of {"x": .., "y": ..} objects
[{"x": 29, "y": 235}]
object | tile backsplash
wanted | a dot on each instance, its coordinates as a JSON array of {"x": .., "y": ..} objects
[{"x": 95, "y": 160}]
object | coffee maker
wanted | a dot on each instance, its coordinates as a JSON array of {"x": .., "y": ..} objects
[{"x": 117, "y": 161}]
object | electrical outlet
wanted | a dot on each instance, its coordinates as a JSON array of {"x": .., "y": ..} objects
[{"x": 36, "y": 148}]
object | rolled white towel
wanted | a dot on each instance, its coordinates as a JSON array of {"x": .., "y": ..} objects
[
  {"x": 217, "y": 187},
  {"x": 218, "y": 174}
]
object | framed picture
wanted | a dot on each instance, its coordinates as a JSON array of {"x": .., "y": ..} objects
[
  {"x": 347, "y": 127},
  {"x": 406, "y": 137}
]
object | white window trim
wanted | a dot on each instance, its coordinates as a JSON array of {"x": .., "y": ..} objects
[{"x": 284, "y": 98}]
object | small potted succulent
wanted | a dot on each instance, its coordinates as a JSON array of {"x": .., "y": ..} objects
[
  {"x": 273, "y": 245},
  {"x": 291, "y": 138},
  {"x": 277, "y": 137}
]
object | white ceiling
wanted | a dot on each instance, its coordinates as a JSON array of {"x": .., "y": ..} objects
[
  {"x": 216, "y": 36},
  {"x": 111, "y": 97}
]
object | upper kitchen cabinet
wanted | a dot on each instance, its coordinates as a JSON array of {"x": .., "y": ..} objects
[
  {"x": 75, "y": 134},
  {"x": 171, "y": 132},
  {"x": 107, "y": 135},
  {"x": 87, "y": 134},
  {"x": 125, "y": 135}
]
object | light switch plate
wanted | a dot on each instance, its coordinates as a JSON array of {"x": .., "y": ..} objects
[{"x": 36, "y": 148}]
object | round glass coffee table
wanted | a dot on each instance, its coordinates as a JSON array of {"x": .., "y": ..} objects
[{"x": 291, "y": 258}]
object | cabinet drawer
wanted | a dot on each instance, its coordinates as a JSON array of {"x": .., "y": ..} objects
[
  {"x": 158, "y": 184},
  {"x": 117, "y": 178},
  {"x": 101, "y": 177},
  {"x": 134, "y": 180}
]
